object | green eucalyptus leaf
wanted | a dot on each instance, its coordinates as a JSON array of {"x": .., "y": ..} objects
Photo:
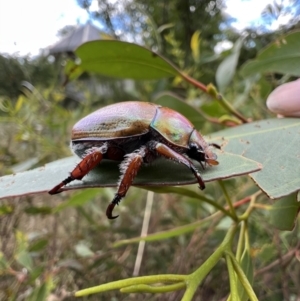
[
  {"x": 6, "y": 209},
  {"x": 24, "y": 259},
  {"x": 163, "y": 235},
  {"x": 39, "y": 293},
  {"x": 282, "y": 56},
  {"x": 72, "y": 71},
  {"x": 78, "y": 199},
  {"x": 284, "y": 212},
  {"x": 275, "y": 144},
  {"x": 38, "y": 245},
  {"x": 4, "y": 264},
  {"x": 226, "y": 69},
  {"x": 22, "y": 241},
  {"x": 213, "y": 109},
  {"x": 83, "y": 250},
  {"x": 123, "y": 60},
  {"x": 87, "y": 216},
  {"x": 195, "y": 45},
  {"x": 71, "y": 264},
  {"x": 107, "y": 174},
  {"x": 247, "y": 266},
  {"x": 177, "y": 190},
  {"x": 36, "y": 272},
  {"x": 266, "y": 254},
  {"x": 38, "y": 210}
]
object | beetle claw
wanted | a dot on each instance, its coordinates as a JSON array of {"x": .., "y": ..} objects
[
  {"x": 111, "y": 207},
  {"x": 109, "y": 211}
]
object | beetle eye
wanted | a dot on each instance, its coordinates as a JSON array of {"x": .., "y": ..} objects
[
  {"x": 194, "y": 147},
  {"x": 196, "y": 152}
]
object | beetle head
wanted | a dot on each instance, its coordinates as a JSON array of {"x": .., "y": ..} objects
[{"x": 200, "y": 150}]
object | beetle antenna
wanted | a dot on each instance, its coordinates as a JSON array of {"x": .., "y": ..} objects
[{"x": 215, "y": 145}]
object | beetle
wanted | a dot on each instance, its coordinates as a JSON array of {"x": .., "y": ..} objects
[{"x": 135, "y": 133}]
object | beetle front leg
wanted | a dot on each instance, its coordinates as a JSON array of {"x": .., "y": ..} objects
[
  {"x": 129, "y": 167},
  {"x": 168, "y": 153},
  {"x": 90, "y": 161}
]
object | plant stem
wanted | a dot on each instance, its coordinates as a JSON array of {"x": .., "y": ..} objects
[
  {"x": 130, "y": 282},
  {"x": 232, "y": 280},
  {"x": 212, "y": 91},
  {"x": 162, "y": 235},
  {"x": 242, "y": 277},
  {"x": 144, "y": 233},
  {"x": 246, "y": 214},
  {"x": 144, "y": 288},
  {"x": 230, "y": 108},
  {"x": 228, "y": 200},
  {"x": 194, "y": 82},
  {"x": 195, "y": 279},
  {"x": 222, "y": 209},
  {"x": 240, "y": 246}
]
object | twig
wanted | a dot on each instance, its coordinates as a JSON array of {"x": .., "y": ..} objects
[
  {"x": 144, "y": 233},
  {"x": 283, "y": 261}
]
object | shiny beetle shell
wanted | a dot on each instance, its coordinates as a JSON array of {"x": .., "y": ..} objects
[
  {"x": 135, "y": 133},
  {"x": 119, "y": 120}
]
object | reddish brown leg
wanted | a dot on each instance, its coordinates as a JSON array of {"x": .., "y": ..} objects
[
  {"x": 84, "y": 167},
  {"x": 130, "y": 168},
  {"x": 168, "y": 153}
]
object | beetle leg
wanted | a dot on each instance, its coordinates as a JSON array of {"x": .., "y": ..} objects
[
  {"x": 129, "y": 168},
  {"x": 90, "y": 161},
  {"x": 168, "y": 153}
]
